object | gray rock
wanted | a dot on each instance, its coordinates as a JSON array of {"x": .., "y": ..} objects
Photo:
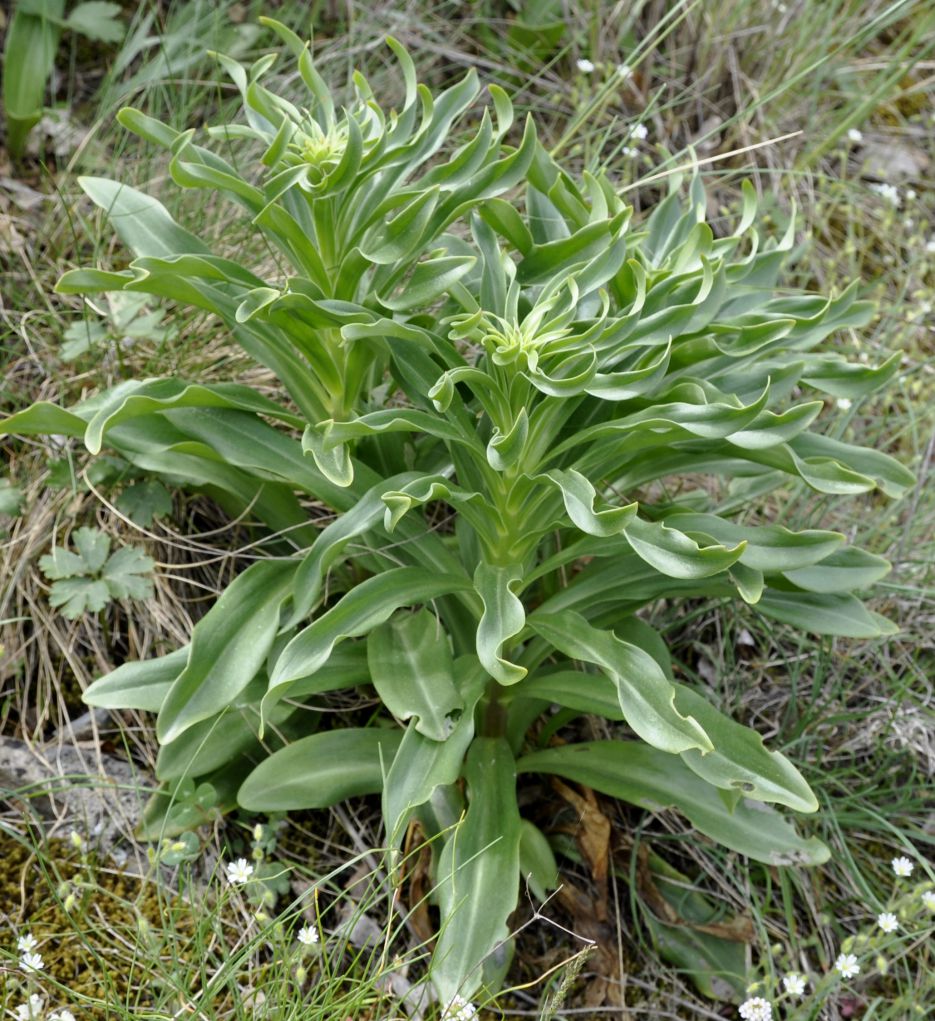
[{"x": 73, "y": 788}]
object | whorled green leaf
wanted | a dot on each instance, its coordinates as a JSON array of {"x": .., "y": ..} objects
[
  {"x": 769, "y": 548},
  {"x": 676, "y": 554},
  {"x": 229, "y": 645},
  {"x": 321, "y": 770},
  {"x": 843, "y": 571},
  {"x": 422, "y": 765},
  {"x": 574, "y": 689},
  {"x": 646, "y": 695},
  {"x": 825, "y": 614},
  {"x": 151, "y": 396},
  {"x": 503, "y": 618},
  {"x": 140, "y": 684},
  {"x": 332, "y": 541},
  {"x": 428, "y": 280},
  {"x": 740, "y": 761},
  {"x": 215, "y": 743},
  {"x": 655, "y": 780},
  {"x": 580, "y": 498},
  {"x": 43, "y": 419},
  {"x": 413, "y": 671},
  {"x": 359, "y": 611},
  {"x": 142, "y": 222},
  {"x": 537, "y": 864},
  {"x": 477, "y": 882}
]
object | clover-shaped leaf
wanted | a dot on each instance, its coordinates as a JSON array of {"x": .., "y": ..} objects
[
  {"x": 144, "y": 501},
  {"x": 77, "y": 596},
  {"x": 86, "y": 581},
  {"x": 125, "y": 574}
]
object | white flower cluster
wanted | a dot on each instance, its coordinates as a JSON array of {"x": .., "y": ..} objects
[
  {"x": 460, "y": 1009},
  {"x": 29, "y": 960},
  {"x": 888, "y": 192},
  {"x": 34, "y": 1007},
  {"x": 756, "y": 1009}
]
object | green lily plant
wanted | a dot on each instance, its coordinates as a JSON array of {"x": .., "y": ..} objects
[{"x": 504, "y": 403}]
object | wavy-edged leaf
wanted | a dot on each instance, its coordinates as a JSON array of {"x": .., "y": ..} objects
[
  {"x": 740, "y": 761},
  {"x": 503, "y": 618},
  {"x": 646, "y": 695},
  {"x": 676, "y": 554},
  {"x": 413, "y": 671},
  {"x": 886, "y": 471},
  {"x": 43, "y": 419},
  {"x": 357, "y": 612},
  {"x": 574, "y": 689},
  {"x": 228, "y": 739},
  {"x": 428, "y": 280},
  {"x": 835, "y": 376},
  {"x": 150, "y": 396},
  {"x": 579, "y": 497},
  {"x": 653, "y": 780},
  {"x": 332, "y": 540},
  {"x": 768, "y": 548}
]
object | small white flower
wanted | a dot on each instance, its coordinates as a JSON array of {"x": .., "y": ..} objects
[
  {"x": 628, "y": 150},
  {"x": 585, "y": 66},
  {"x": 307, "y": 935},
  {"x": 844, "y": 403},
  {"x": 930, "y": 246},
  {"x": 902, "y": 867},
  {"x": 847, "y": 965},
  {"x": 640, "y": 132},
  {"x": 31, "y": 962},
  {"x": 756, "y": 1009},
  {"x": 624, "y": 71},
  {"x": 887, "y": 192},
  {"x": 855, "y": 135},
  {"x": 888, "y": 921},
  {"x": 794, "y": 984},
  {"x": 30, "y": 1010},
  {"x": 62, "y": 1015},
  {"x": 239, "y": 871},
  {"x": 26, "y": 944},
  {"x": 460, "y": 1009},
  {"x": 928, "y": 899},
  {"x": 911, "y": 195}
]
